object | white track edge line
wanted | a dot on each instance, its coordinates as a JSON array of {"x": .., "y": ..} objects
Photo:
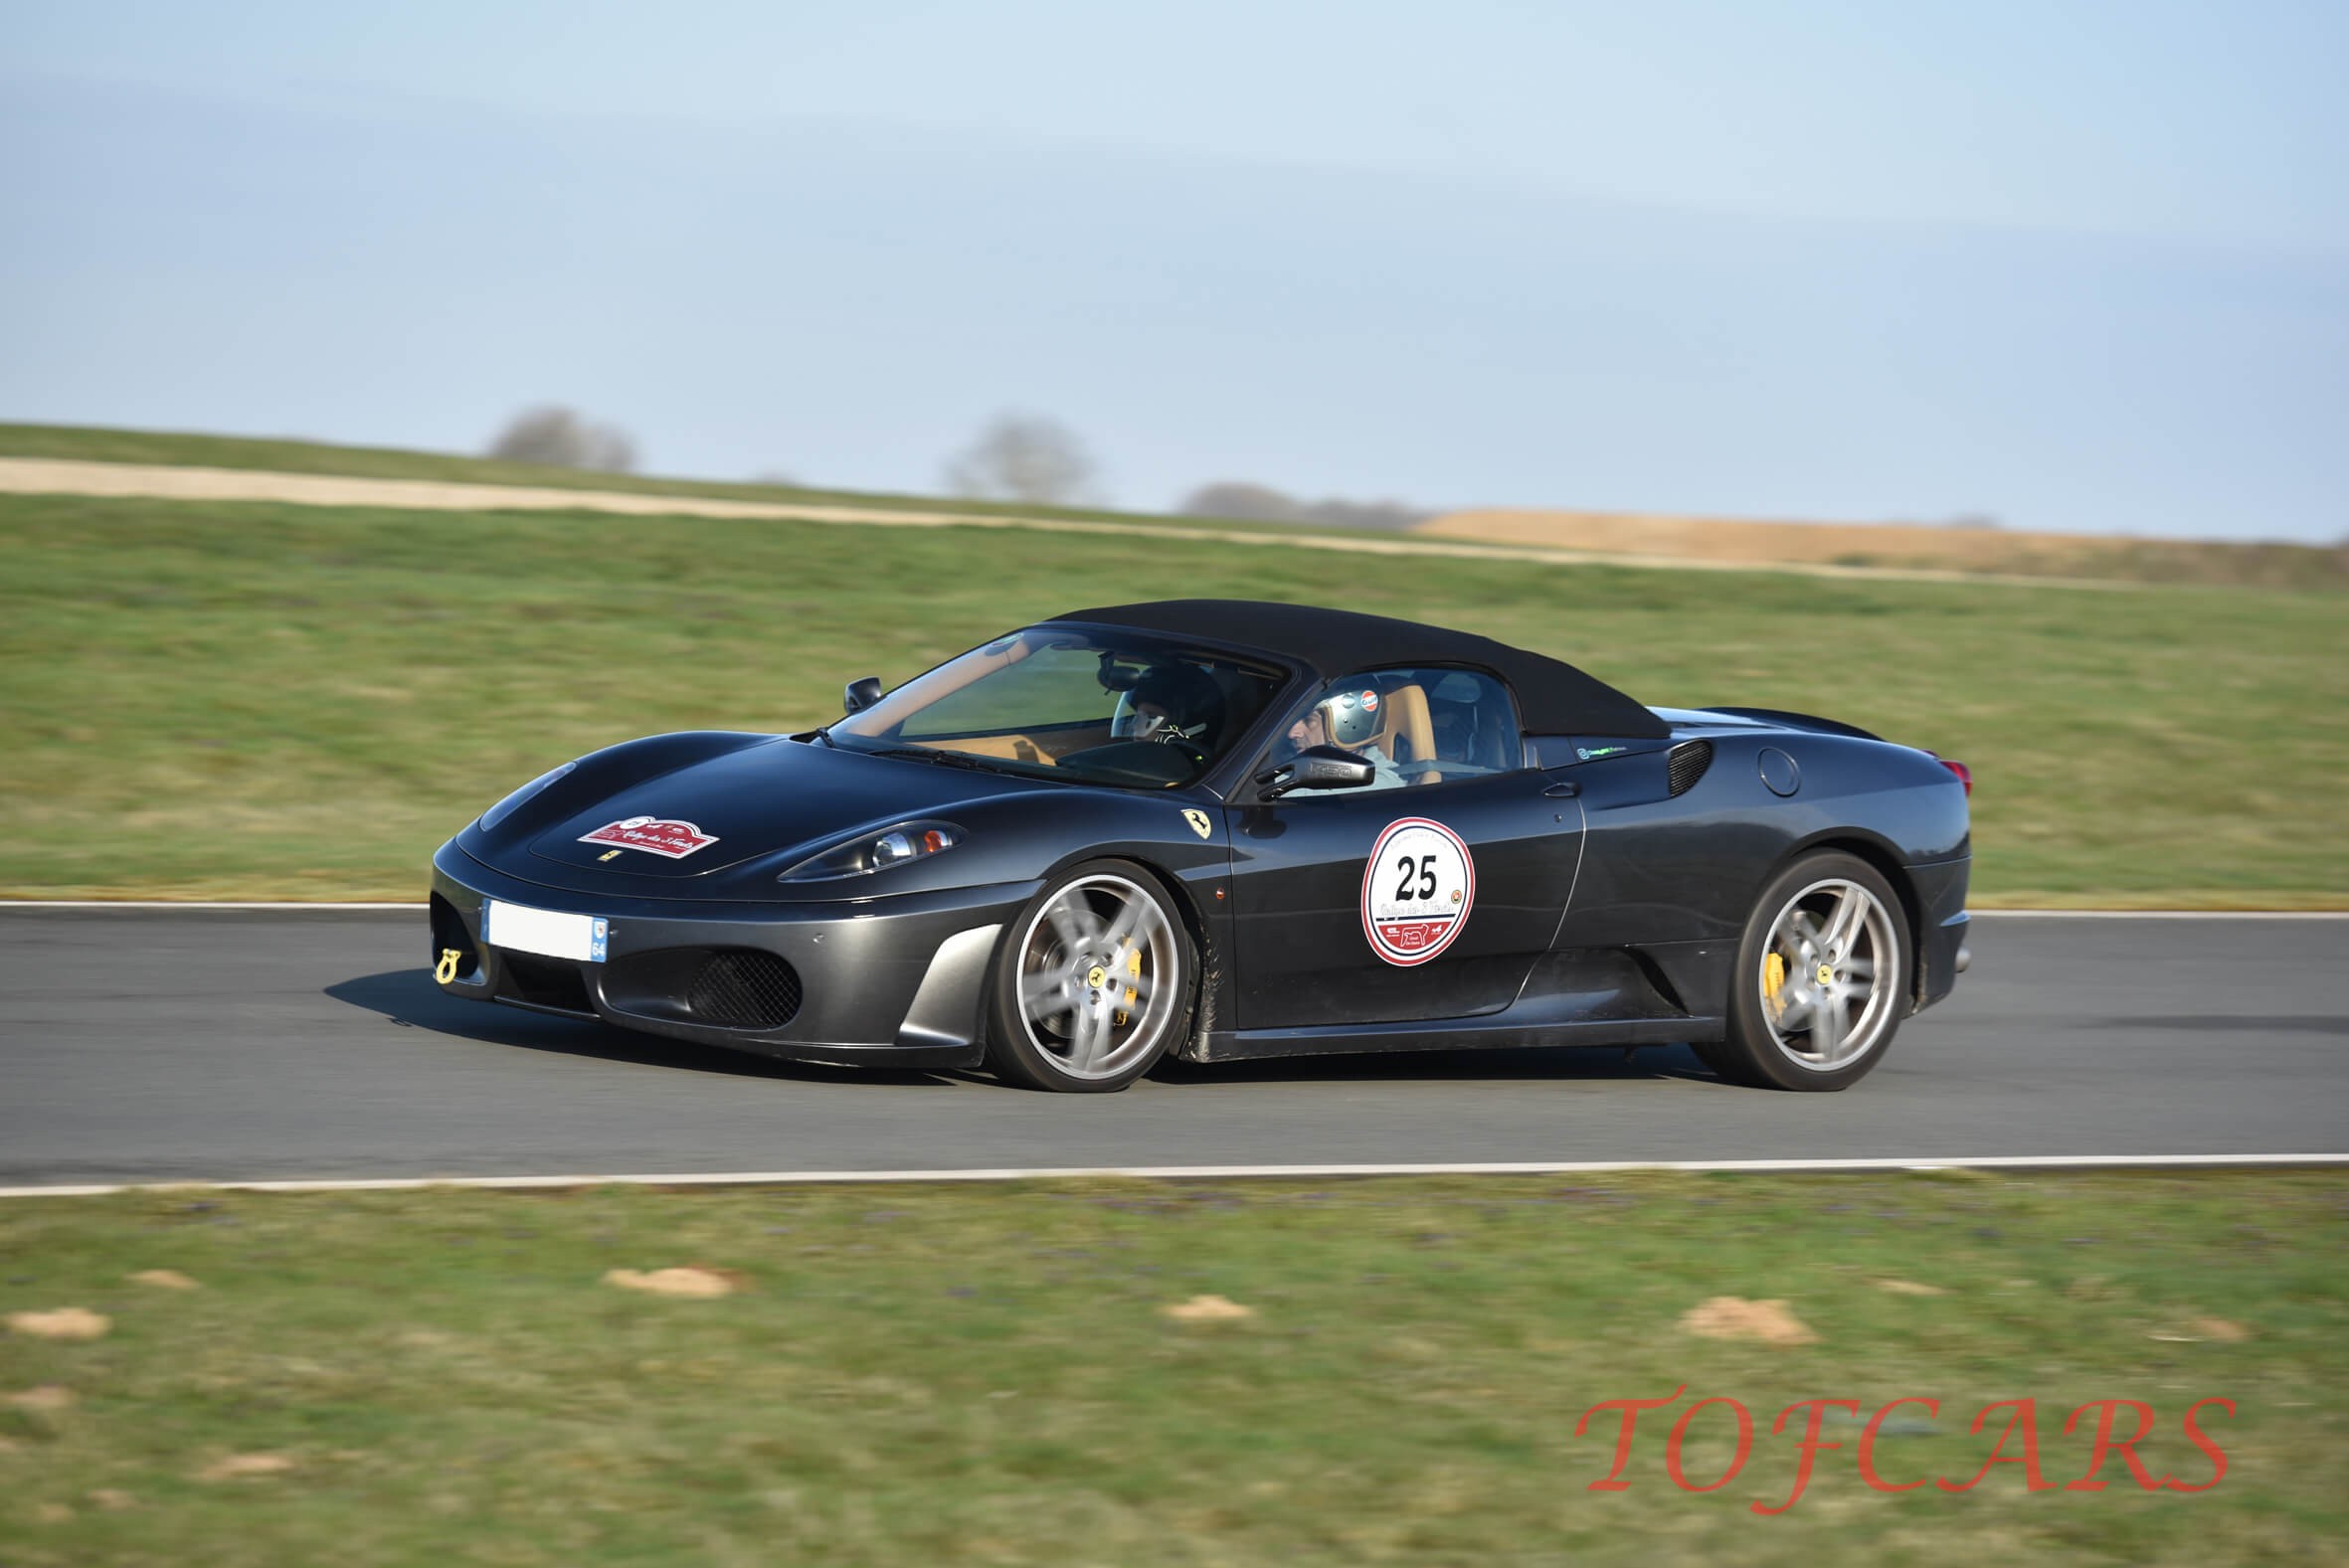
[
  {"x": 1569, "y": 1167},
  {"x": 197, "y": 905},
  {"x": 200, "y": 905},
  {"x": 2161, "y": 914}
]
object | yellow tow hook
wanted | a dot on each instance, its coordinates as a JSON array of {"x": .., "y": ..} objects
[
  {"x": 446, "y": 970},
  {"x": 1773, "y": 981}
]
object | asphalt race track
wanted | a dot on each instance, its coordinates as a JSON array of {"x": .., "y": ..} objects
[{"x": 221, "y": 1045}]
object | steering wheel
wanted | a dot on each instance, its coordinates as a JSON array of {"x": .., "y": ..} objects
[{"x": 1182, "y": 743}]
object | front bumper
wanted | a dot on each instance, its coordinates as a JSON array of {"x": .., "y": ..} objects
[{"x": 891, "y": 982}]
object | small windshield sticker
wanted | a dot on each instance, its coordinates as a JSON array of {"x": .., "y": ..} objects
[
  {"x": 663, "y": 836},
  {"x": 1198, "y": 822},
  {"x": 1417, "y": 890}
]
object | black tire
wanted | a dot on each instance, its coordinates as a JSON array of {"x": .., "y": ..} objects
[
  {"x": 1770, "y": 1045},
  {"x": 1058, "y": 1053}
]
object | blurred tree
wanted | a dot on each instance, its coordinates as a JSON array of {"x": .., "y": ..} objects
[
  {"x": 1259, "y": 503},
  {"x": 1262, "y": 503},
  {"x": 560, "y": 438},
  {"x": 1023, "y": 457},
  {"x": 1338, "y": 512}
]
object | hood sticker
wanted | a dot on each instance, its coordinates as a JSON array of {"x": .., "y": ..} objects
[
  {"x": 1593, "y": 753},
  {"x": 1198, "y": 822},
  {"x": 655, "y": 836},
  {"x": 1417, "y": 890}
]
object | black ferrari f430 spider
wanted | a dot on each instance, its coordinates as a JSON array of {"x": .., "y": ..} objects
[{"x": 1221, "y": 829}]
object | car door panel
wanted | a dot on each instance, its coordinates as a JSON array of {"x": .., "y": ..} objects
[{"x": 1308, "y": 951}]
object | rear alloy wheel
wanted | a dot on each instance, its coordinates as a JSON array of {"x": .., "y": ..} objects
[
  {"x": 1091, "y": 985},
  {"x": 1821, "y": 980}
]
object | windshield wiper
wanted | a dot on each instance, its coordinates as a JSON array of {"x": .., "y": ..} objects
[{"x": 925, "y": 754}]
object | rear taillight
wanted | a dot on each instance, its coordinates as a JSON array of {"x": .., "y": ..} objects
[{"x": 1965, "y": 774}]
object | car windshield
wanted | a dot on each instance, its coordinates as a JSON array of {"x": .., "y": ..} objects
[{"x": 1104, "y": 707}]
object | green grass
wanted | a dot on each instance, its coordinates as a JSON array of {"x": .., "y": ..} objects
[
  {"x": 950, "y": 1375},
  {"x": 280, "y": 701}
]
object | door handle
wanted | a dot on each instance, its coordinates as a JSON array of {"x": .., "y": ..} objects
[{"x": 1563, "y": 789}]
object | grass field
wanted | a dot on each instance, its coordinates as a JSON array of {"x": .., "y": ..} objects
[
  {"x": 946, "y": 1375},
  {"x": 2264, "y": 564},
  {"x": 257, "y": 700},
  {"x": 92, "y": 443}
]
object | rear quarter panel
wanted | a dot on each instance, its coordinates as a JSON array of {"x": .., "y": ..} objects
[{"x": 1659, "y": 868}]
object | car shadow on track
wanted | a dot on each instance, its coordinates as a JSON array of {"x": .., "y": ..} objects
[
  {"x": 1547, "y": 1064},
  {"x": 409, "y": 999}
]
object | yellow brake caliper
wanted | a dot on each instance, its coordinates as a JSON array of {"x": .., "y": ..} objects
[
  {"x": 1133, "y": 967},
  {"x": 1774, "y": 982}
]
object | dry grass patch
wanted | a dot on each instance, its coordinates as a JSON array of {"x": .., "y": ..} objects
[
  {"x": 63, "y": 1322},
  {"x": 703, "y": 1283},
  {"x": 244, "y": 1466},
  {"x": 165, "y": 1280},
  {"x": 1733, "y": 1317},
  {"x": 1207, "y": 1310},
  {"x": 48, "y": 1397}
]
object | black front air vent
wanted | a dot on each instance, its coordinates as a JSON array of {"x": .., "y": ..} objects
[
  {"x": 739, "y": 989},
  {"x": 545, "y": 983},
  {"x": 1687, "y": 764}
]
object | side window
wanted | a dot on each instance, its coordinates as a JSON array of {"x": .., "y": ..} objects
[
  {"x": 1416, "y": 726},
  {"x": 1475, "y": 723}
]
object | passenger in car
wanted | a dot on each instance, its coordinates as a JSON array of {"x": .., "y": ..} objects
[{"x": 1346, "y": 719}]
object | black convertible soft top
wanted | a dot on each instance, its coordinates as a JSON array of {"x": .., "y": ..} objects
[{"x": 1555, "y": 698}]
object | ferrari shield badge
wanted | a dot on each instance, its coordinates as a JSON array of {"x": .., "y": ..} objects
[
  {"x": 1417, "y": 890},
  {"x": 654, "y": 836},
  {"x": 1198, "y": 822}
]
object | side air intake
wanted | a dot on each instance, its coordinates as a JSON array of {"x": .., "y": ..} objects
[{"x": 1687, "y": 764}]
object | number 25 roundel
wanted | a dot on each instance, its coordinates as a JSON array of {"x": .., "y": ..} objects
[{"x": 1417, "y": 890}]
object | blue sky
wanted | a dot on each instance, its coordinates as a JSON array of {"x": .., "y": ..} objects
[{"x": 2078, "y": 267}]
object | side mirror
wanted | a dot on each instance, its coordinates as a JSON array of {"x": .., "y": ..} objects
[
  {"x": 1315, "y": 768},
  {"x": 861, "y": 694}
]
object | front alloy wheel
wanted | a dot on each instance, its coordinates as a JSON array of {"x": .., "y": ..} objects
[{"x": 1091, "y": 985}]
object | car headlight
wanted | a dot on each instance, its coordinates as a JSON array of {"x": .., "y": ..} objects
[
  {"x": 870, "y": 852},
  {"x": 515, "y": 802}
]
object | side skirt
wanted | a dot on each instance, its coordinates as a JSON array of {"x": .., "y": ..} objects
[
  {"x": 1595, "y": 997},
  {"x": 1494, "y": 1031}
]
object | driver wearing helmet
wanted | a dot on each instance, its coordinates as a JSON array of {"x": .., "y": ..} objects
[
  {"x": 1347, "y": 718},
  {"x": 1174, "y": 703}
]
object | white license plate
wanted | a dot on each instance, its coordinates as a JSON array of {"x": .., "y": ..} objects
[{"x": 544, "y": 932}]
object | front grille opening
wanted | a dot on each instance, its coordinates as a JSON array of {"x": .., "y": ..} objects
[
  {"x": 741, "y": 989},
  {"x": 1687, "y": 764},
  {"x": 717, "y": 987},
  {"x": 448, "y": 931},
  {"x": 545, "y": 983}
]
